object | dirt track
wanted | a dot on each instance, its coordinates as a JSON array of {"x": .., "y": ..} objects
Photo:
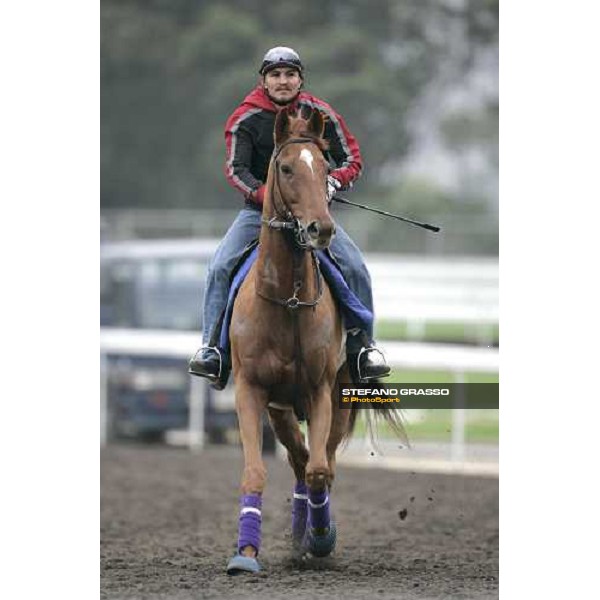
[{"x": 169, "y": 525}]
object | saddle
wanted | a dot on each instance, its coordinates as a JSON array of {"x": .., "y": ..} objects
[{"x": 355, "y": 315}]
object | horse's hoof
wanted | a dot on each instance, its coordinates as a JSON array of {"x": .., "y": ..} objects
[
  {"x": 242, "y": 564},
  {"x": 322, "y": 545}
]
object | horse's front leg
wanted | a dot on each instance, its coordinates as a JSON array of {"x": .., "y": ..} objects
[
  {"x": 322, "y": 534},
  {"x": 250, "y": 402},
  {"x": 317, "y": 470},
  {"x": 287, "y": 430}
]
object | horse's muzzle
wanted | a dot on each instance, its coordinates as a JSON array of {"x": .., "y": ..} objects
[{"x": 320, "y": 234}]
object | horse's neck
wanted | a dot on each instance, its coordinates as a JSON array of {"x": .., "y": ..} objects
[{"x": 276, "y": 261}]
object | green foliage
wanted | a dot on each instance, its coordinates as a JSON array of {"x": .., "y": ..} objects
[
  {"x": 461, "y": 129},
  {"x": 173, "y": 70}
]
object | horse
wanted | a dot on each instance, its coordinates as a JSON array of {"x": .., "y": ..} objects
[{"x": 288, "y": 344}]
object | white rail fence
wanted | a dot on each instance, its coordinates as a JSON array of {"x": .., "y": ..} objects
[
  {"x": 420, "y": 291},
  {"x": 466, "y": 233},
  {"x": 456, "y": 359},
  {"x": 415, "y": 290}
]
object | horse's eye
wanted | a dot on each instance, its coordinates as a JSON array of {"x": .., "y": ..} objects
[{"x": 286, "y": 169}]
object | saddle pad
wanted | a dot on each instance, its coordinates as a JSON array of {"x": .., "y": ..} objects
[{"x": 354, "y": 313}]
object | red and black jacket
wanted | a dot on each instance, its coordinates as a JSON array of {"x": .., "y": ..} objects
[{"x": 249, "y": 143}]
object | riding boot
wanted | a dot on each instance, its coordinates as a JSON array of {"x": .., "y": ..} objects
[
  {"x": 211, "y": 362},
  {"x": 365, "y": 361},
  {"x": 206, "y": 363},
  {"x": 371, "y": 364}
]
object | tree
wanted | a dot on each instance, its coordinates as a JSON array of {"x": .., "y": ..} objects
[{"x": 173, "y": 70}]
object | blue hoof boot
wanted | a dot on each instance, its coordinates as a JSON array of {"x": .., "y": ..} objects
[
  {"x": 242, "y": 564},
  {"x": 322, "y": 545}
]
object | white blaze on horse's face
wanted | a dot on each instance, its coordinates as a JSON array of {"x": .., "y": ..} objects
[{"x": 307, "y": 157}]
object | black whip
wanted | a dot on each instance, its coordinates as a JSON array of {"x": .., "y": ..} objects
[{"x": 433, "y": 228}]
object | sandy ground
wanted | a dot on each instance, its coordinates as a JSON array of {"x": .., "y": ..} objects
[{"x": 169, "y": 526}]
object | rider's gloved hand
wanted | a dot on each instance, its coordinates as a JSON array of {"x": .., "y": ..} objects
[{"x": 333, "y": 185}]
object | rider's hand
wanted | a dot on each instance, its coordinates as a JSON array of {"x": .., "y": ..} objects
[
  {"x": 333, "y": 185},
  {"x": 258, "y": 196}
]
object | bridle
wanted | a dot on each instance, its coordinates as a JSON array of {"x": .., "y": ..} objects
[
  {"x": 286, "y": 221},
  {"x": 286, "y": 218}
]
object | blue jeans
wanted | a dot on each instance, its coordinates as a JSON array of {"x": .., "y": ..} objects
[{"x": 246, "y": 228}]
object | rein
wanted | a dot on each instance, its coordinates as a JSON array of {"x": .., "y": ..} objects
[
  {"x": 283, "y": 223},
  {"x": 289, "y": 222},
  {"x": 294, "y": 302}
]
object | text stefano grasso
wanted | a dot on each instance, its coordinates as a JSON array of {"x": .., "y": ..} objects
[{"x": 396, "y": 392}]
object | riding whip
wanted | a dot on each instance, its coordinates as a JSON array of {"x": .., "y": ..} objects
[{"x": 342, "y": 200}]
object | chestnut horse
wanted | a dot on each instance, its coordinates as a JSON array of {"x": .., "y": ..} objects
[{"x": 288, "y": 344}]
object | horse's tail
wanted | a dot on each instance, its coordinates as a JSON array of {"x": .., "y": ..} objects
[{"x": 374, "y": 416}]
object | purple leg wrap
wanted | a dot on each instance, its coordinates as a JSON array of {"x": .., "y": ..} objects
[
  {"x": 299, "y": 510},
  {"x": 250, "y": 520},
  {"x": 318, "y": 503}
]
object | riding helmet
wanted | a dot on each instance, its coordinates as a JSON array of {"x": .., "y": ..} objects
[{"x": 280, "y": 56}]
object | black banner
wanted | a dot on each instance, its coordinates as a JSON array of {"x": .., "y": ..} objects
[{"x": 419, "y": 395}]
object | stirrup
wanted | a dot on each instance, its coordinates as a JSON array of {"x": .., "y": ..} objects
[
  {"x": 220, "y": 381},
  {"x": 211, "y": 378},
  {"x": 370, "y": 349},
  {"x": 216, "y": 349}
]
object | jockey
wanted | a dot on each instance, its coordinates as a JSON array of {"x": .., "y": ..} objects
[{"x": 249, "y": 146}]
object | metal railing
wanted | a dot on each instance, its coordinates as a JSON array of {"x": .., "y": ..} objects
[
  {"x": 456, "y": 359},
  {"x": 460, "y": 234}
]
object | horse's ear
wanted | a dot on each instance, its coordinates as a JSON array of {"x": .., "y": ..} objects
[
  {"x": 306, "y": 112},
  {"x": 282, "y": 127},
  {"x": 316, "y": 123}
]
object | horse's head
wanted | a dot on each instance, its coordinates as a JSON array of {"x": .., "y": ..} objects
[{"x": 300, "y": 177}]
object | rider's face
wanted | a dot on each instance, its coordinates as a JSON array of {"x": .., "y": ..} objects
[{"x": 282, "y": 84}]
